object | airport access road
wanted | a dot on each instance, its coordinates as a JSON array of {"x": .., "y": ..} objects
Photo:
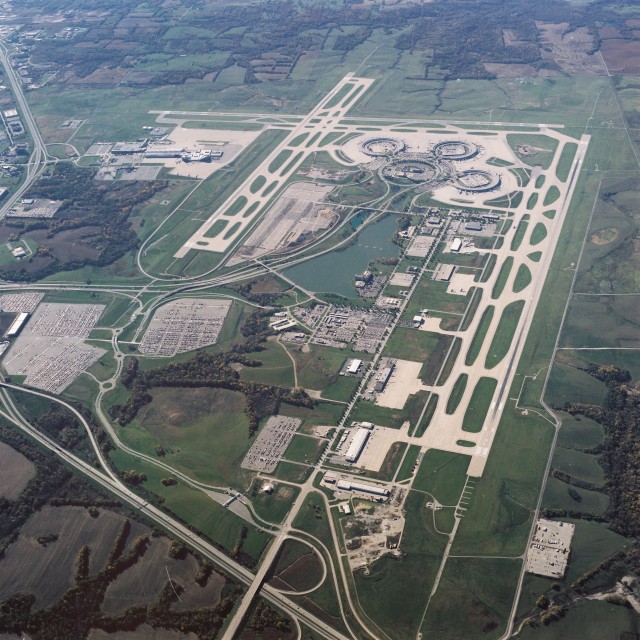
[{"x": 38, "y": 159}]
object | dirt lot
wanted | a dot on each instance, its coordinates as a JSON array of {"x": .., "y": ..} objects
[
  {"x": 48, "y": 572},
  {"x": 15, "y": 472},
  {"x": 143, "y": 583}
]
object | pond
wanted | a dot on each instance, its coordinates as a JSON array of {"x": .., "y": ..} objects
[{"x": 334, "y": 271}]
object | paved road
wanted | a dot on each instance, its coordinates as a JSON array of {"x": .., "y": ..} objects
[{"x": 38, "y": 159}]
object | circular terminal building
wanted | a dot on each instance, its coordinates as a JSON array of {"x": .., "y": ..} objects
[
  {"x": 456, "y": 150},
  {"x": 412, "y": 169},
  {"x": 477, "y": 181},
  {"x": 380, "y": 147}
]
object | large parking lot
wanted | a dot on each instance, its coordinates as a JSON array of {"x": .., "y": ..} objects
[
  {"x": 184, "y": 325},
  {"x": 51, "y": 352},
  {"x": 271, "y": 443}
]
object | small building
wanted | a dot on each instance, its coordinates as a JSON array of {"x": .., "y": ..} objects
[
  {"x": 330, "y": 478},
  {"x": 345, "y": 507},
  {"x": 267, "y": 487},
  {"x": 417, "y": 321},
  {"x": 367, "y": 425},
  {"x": 434, "y": 221},
  {"x": 456, "y": 245},
  {"x": 354, "y": 366},
  {"x": 10, "y": 113}
]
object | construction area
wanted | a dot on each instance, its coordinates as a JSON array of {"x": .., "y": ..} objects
[
  {"x": 550, "y": 547},
  {"x": 271, "y": 443},
  {"x": 184, "y": 325},
  {"x": 298, "y": 215},
  {"x": 372, "y": 529},
  {"x": 50, "y": 351}
]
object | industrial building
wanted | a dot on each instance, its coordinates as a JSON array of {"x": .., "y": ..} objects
[
  {"x": 473, "y": 226},
  {"x": 357, "y": 445},
  {"x": 456, "y": 245},
  {"x": 16, "y": 325},
  {"x": 365, "y": 487},
  {"x": 383, "y": 378}
]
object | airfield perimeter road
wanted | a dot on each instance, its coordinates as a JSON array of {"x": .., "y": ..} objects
[{"x": 38, "y": 159}]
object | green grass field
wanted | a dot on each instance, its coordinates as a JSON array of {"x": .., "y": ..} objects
[
  {"x": 411, "y": 344},
  {"x": 457, "y": 393},
  {"x": 499, "y": 515},
  {"x": 450, "y": 361},
  {"x": 273, "y": 507},
  {"x": 304, "y": 449},
  {"x": 204, "y": 433},
  {"x": 430, "y": 409},
  {"x": 520, "y": 232},
  {"x": 553, "y": 193},
  {"x": 583, "y": 466},
  {"x": 544, "y": 146},
  {"x": 538, "y": 234},
  {"x": 442, "y": 474},
  {"x": 479, "y": 405},
  {"x": 560, "y": 495},
  {"x": 479, "y": 336},
  {"x": 505, "y": 331},
  {"x": 566, "y": 160},
  {"x": 579, "y": 432},
  {"x": 407, "y": 468},
  {"x": 588, "y": 620},
  {"x": 477, "y": 594},
  {"x": 522, "y": 279},
  {"x": 502, "y": 278},
  {"x": 369, "y": 412}
]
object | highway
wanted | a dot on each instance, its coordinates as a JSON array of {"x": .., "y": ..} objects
[{"x": 38, "y": 158}]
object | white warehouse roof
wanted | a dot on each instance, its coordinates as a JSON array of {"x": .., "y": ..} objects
[{"x": 357, "y": 445}]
